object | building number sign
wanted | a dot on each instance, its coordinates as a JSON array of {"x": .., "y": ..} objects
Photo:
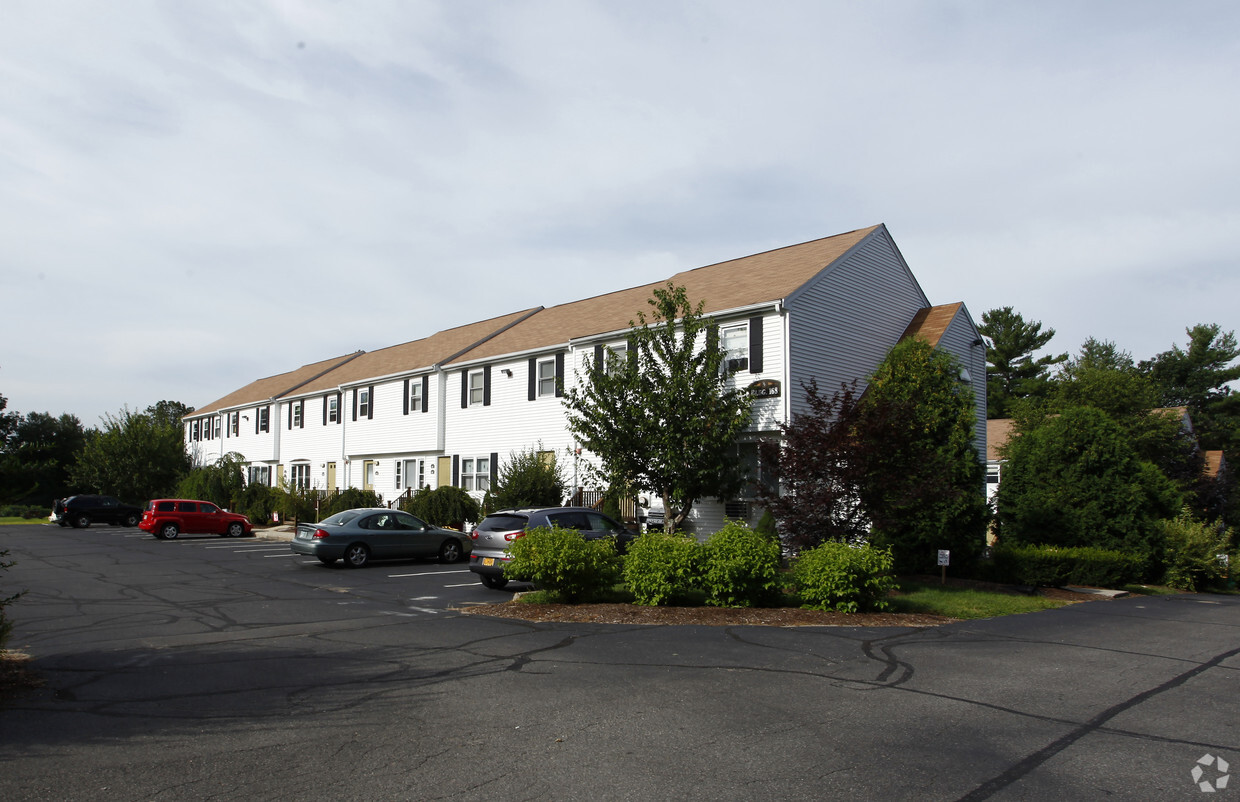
[{"x": 765, "y": 388}]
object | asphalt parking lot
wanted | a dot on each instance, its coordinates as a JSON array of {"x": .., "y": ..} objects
[{"x": 208, "y": 668}]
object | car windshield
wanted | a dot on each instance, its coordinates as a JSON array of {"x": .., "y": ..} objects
[
  {"x": 502, "y": 523},
  {"x": 340, "y": 518}
]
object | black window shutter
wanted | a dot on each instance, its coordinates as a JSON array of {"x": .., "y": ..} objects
[
  {"x": 370, "y": 402},
  {"x": 406, "y": 396},
  {"x": 486, "y": 386},
  {"x": 325, "y": 410},
  {"x": 712, "y": 337},
  {"x": 559, "y": 375},
  {"x": 464, "y": 391},
  {"x": 494, "y": 468},
  {"x": 301, "y": 407},
  {"x": 755, "y": 345},
  {"x": 426, "y": 389},
  {"x": 632, "y": 352},
  {"x": 290, "y": 416},
  {"x": 256, "y": 420},
  {"x": 339, "y": 408},
  {"x": 354, "y": 403},
  {"x": 598, "y": 358},
  {"x": 533, "y": 378},
  {"x": 456, "y": 470}
]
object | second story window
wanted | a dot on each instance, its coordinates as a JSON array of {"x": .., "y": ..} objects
[
  {"x": 333, "y": 409},
  {"x": 546, "y": 378},
  {"x": 415, "y": 395},
  {"x": 234, "y": 422},
  {"x": 296, "y": 415},
  {"x": 363, "y": 402},
  {"x": 735, "y": 342},
  {"x": 264, "y": 419},
  {"x": 476, "y": 387}
]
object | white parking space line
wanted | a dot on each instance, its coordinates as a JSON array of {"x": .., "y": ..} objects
[
  {"x": 428, "y": 573},
  {"x": 466, "y": 585},
  {"x": 268, "y": 556}
]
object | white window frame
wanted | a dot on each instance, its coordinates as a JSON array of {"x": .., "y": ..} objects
[
  {"x": 546, "y": 381},
  {"x": 734, "y": 340},
  {"x": 300, "y": 476},
  {"x": 333, "y": 409},
  {"x": 621, "y": 352},
  {"x": 363, "y": 402},
  {"x": 477, "y": 388},
  {"x": 415, "y": 395},
  {"x": 476, "y": 473},
  {"x": 297, "y": 411},
  {"x": 264, "y": 419},
  {"x": 260, "y": 474},
  {"x": 234, "y": 422}
]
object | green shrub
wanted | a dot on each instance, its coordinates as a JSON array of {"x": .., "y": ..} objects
[
  {"x": 844, "y": 578},
  {"x": 445, "y": 506},
  {"x": 564, "y": 562},
  {"x": 1050, "y": 566},
  {"x": 349, "y": 499},
  {"x": 741, "y": 567},
  {"x": 24, "y": 511},
  {"x": 659, "y": 567},
  {"x": 767, "y": 527},
  {"x": 256, "y": 502},
  {"x": 1193, "y": 549},
  {"x": 529, "y": 478}
]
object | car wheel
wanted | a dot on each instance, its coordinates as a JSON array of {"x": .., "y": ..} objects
[
  {"x": 493, "y": 582},
  {"x": 81, "y": 521},
  {"x": 328, "y": 560},
  {"x": 450, "y": 551},
  {"x": 235, "y": 530},
  {"x": 356, "y": 556},
  {"x": 169, "y": 532},
  {"x": 130, "y": 520}
]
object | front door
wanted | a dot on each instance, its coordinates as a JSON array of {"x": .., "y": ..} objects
[
  {"x": 368, "y": 475},
  {"x": 443, "y": 476},
  {"x": 331, "y": 478}
]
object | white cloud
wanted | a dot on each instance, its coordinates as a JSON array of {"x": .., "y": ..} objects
[{"x": 253, "y": 186}]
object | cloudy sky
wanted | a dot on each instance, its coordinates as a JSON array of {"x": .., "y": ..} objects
[{"x": 197, "y": 195}]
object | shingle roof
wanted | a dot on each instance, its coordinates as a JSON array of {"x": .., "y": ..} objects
[
  {"x": 411, "y": 356},
  {"x": 1214, "y": 463},
  {"x": 931, "y": 322},
  {"x": 262, "y": 390},
  {"x": 998, "y": 433},
  {"x": 769, "y": 276}
]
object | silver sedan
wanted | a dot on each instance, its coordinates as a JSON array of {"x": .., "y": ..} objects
[{"x": 358, "y": 536}]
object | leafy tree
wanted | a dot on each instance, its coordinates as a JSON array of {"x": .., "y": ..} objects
[
  {"x": 36, "y": 456},
  {"x": 663, "y": 419},
  {"x": 136, "y": 456},
  {"x": 1075, "y": 480},
  {"x": 896, "y": 465},
  {"x": 530, "y": 478},
  {"x": 923, "y": 484},
  {"x": 1012, "y": 372},
  {"x": 221, "y": 482},
  {"x": 1199, "y": 378},
  {"x": 819, "y": 461},
  {"x": 6, "y": 626}
]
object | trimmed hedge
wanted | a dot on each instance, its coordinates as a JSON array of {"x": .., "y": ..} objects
[
  {"x": 563, "y": 561},
  {"x": 741, "y": 567},
  {"x": 660, "y": 567},
  {"x": 843, "y": 578},
  {"x": 1051, "y": 566}
]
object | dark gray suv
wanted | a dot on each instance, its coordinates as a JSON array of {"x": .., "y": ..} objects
[{"x": 493, "y": 536}]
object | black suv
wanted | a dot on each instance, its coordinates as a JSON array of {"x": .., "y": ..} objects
[
  {"x": 82, "y": 511},
  {"x": 497, "y": 530}
]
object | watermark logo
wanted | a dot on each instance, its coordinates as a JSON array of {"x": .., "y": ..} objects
[{"x": 1220, "y": 773}]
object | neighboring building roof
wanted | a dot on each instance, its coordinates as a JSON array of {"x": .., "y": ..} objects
[
  {"x": 998, "y": 433},
  {"x": 419, "y": 354},
  {"x": 931, "y": 323},
  {"x": 1215, "y": 464},
  {"x": 262, "y": 390},
  {"x": 765, "y": 277}
]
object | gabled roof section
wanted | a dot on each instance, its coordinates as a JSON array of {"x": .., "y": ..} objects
[
  {"x": 998, "y": 432},
  {"x": 751, "y": 280},
  {"x": 1215, "y": 464},
  {"x": 417, "y": 355},
  {"x": 264, "y": 390},
  {"x": 931, "y": 323}
]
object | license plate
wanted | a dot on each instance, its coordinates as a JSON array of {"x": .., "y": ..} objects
[{"x": 488, "y": 561}]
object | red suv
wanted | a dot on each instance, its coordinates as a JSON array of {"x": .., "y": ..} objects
[{"x": 166, "y": 518}]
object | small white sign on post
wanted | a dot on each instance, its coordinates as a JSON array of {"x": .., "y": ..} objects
[{"x": 945, "y": 559}]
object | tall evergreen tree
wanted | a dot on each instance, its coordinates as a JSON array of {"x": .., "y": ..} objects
[
  {"x": 1012, "y": 372},
  {"x": 1199, "y": 378}
]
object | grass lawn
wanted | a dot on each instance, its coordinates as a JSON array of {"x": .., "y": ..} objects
[
  {"x": 4, "y": 521},
  {"x": 954, "y": 602}
]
